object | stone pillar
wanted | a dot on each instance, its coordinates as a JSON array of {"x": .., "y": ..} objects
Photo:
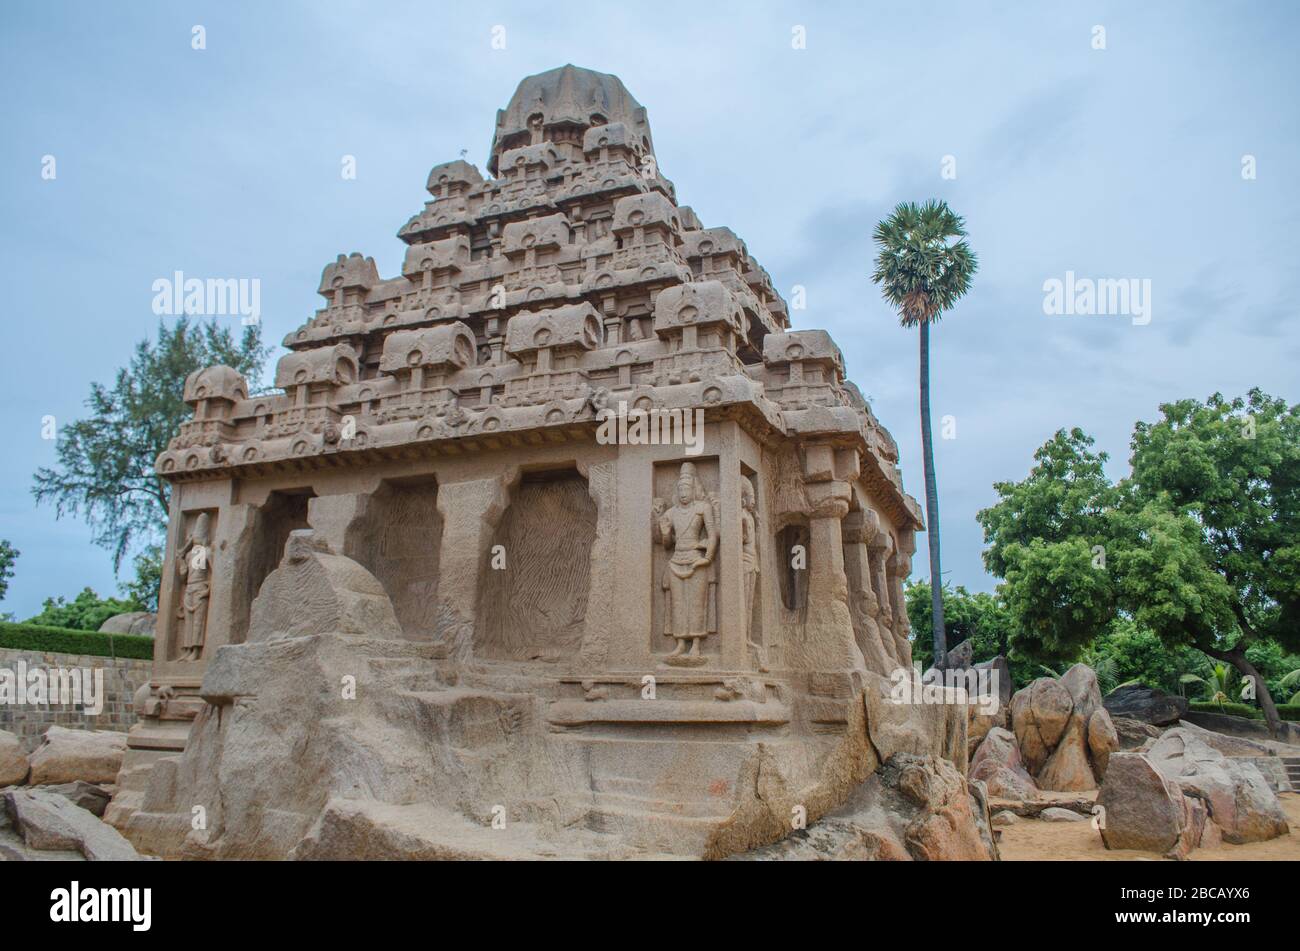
[
  {"x": 733, "y": 649},
  {"x": 470, "y": 513},
  {"x": 829, "y": 642},
  {"x": 881, "y": 548},
  {"x": 901, "y": 568},
  {"x": 602, "y": 486},
  {"x": 863, "y": 606}
]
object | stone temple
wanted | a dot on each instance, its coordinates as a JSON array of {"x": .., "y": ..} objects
[{"x": 562, "y": 542}]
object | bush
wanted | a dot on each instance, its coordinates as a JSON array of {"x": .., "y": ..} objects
[
  {"x": 62, "y": 640},
  {"x": 1231, "y": 709},
  {"x": 1289, "y": 711}
]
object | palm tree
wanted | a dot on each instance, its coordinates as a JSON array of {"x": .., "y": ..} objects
[
  {"x": 1217, "y": 687},
  {"x": 924, "y": 267}
]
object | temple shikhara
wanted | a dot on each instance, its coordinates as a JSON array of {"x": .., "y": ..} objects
[{"x": 419, "y": 604}]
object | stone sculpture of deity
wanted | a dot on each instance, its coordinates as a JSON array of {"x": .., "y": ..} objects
[
  {"x": 193, "y": 565},
  {"x": 689, "y": 530}
]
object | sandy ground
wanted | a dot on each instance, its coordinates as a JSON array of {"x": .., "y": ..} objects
[{"x": 1036, "y": 840}]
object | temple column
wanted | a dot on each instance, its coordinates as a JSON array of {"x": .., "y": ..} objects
[
  {"x": 829, "y": 642},
  {"x": 863, "y": 606},
  {"x": 880, "y": 550},
  {"x": 900, "y": 568}
]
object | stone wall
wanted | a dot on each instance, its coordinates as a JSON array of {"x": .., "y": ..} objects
[{"x": 122, "y": 677}]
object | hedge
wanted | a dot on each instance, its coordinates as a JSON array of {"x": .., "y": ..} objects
[
  {"x": 65, "y": 640},
  {"x": 1287, "y": 711}
]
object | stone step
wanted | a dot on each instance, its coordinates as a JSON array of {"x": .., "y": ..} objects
[
  {"x": 645, "y": 805},
  {"x": 652, "y": 831}
]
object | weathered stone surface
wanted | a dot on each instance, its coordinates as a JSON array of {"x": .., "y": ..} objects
[
  {"x": 997, "y": 764},
  {"x": 1102, "y": 740},
  {"x": 315, "y": 591},
  {"x": 1146, "y": 704},
  {"x": 133, "y": 622},
  {"x": 1133, "y": 733},
  {"x": 1057, "y": 814},
  {"x": 1068, "y": 768},
  {"x": 94, "y": 799},
  {"x": 1144, "y": 810},
  {"x": 1225, "y": 744},
  {"x": 913, "y": 807},
  {"x": 66, "y": 756},
  {"x": 13, "y": 760},
  {"x": 48, "y": 821},
  {"x": 1039, "y": 715},
  {"x": 1005, "y": 818},
  {"x": 1240, "y": 802}
]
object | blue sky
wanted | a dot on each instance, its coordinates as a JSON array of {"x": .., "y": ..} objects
[{"x": 1116, "y": 163}]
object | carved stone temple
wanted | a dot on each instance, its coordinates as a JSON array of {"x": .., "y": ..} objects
[{"x": 446, "y": 594}]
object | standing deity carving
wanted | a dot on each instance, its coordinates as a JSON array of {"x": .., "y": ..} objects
[
  {"x": 193, "y": 565},
  {"x": 689, "y": 531}
]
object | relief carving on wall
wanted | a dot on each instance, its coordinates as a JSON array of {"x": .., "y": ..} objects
[{"x": 689, "y": 529}]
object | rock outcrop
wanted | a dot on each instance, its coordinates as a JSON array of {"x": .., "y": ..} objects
[
  {"x": 1064, "y": 732},
  {"x": 1146, "y": 704},
  {"x": 1239, "y": 800},
  {"x": 65, "y": 756},
  {"x": 133, "y": 622},
  {"x": 912, "y": 808},
  {"x": 998, "y": 765},
  {"x": 14, "y": 765},
  {"x": 49, "y": 822}
]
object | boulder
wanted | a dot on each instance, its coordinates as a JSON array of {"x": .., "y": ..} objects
[
  {"x": 314, "y": 590},
  {"x": 960, "y": 657},
  {"x": 1102, "y": 740},
  {"x": 997, "y": 764},
  {"x": 1227, "y": 745},
  {"x": 1146, "y": 704},
  {"x": 1039, "y": 714},
  {"x": 49, "y": 822},
  {"x": 1133, "y": 733},
  {"x": 911, "y": 808},
  {"x": 1080, "y": 682},
  {"x": 1005, "y": 818},
  {"x": 65, "y": 756},
  {"x": 133, "y": 622},
  {"x": 1239, "y": 800},
  {"x": 94, "y": 799},
  {"x": 1000, "y": 671},
  {"x": 1068, "y": 768},
  {"x": 13, "y": 760},
  {"x": 1057, "y": 814},
  {"x": 1141, "y": 809}
]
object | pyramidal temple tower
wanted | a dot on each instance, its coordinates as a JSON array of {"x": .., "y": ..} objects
[{"x": 562, "y": 526}]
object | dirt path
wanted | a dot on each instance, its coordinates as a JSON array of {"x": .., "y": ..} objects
[{"x": 1036, "y": 840}]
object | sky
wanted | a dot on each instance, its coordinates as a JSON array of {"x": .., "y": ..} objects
[{"x": 1152, "y": 141}]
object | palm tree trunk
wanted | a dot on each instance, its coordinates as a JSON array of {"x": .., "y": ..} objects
[{"x": 931, "y": 505}]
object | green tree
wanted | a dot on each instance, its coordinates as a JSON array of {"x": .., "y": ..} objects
[
  {"x": 924, "y": 266},
  {"x": 105, "y": 470},
  {"x": 8, "y": 555},
  {"x": 143, "y": 588},
  {"x": 1199, "y": 545},
  {"x": 86, "y": 612},
  {"x": 979, "y": 617}
]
